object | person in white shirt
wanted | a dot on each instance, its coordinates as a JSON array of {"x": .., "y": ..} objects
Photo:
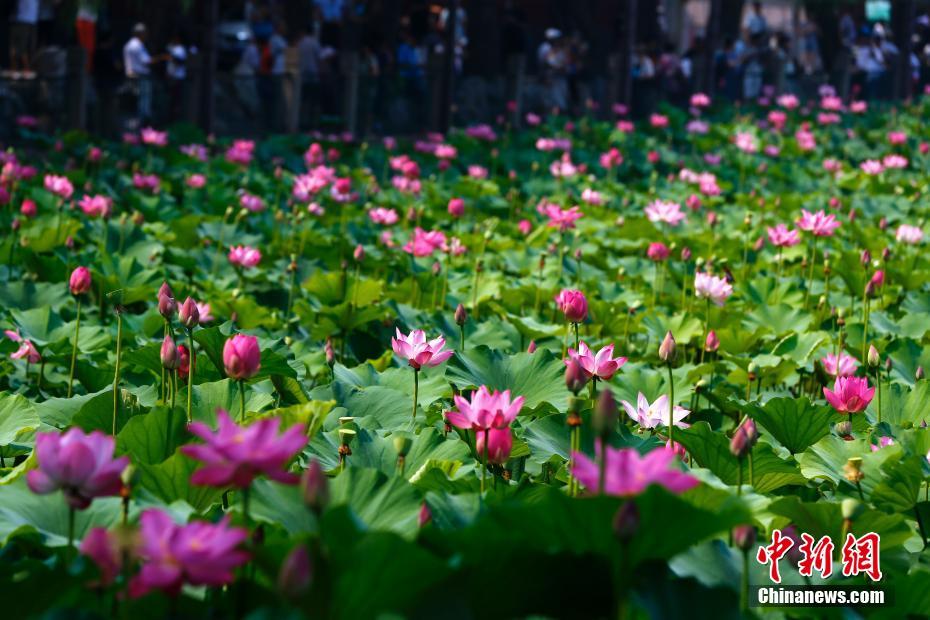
[
  {"x": 23, "y": 26},
  {"x": 138, "y": 65}
]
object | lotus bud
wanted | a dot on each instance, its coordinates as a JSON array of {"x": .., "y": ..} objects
[
  {"x": 685, "y": 254},
  {"x": 80, "y": 281},
  {"x": 296, "y": 573},
  {"x": 744, "y": 438},
  {"x": 752, "y": 371},
  {"x": 843, "y": 429},
  {"x": 402, "y": 445},
  {"x": 461, "y": 315},
  {"x": 865, "y": 258},
  {"x": 359, "y": 253},
  {"x": 315, "y": 486},
  {"x": 167, "y": 307},
  {"x": 189, "y": 314},
  {"x": 852, "y": 508},
  {"x": 330, "y": 353},
  {"x": 920, "y": 373},
  {"x": 744, "y": 537},
  {"x": 170, "y": 357},
  {"x": 886, "y": 254},
  {"x": 883, "y": 223},
  {"x": 667, "y": 348},
  {"x": 532, "y": 347},
  {"x": 575, "y": 377},
  {"x": 605, "y": 413},
  {"x": 626, "y": 522},
  {"x": 873, "y": 357},
  {"x": 711, "y": 343},
  {"x": 425, "y": 516},
  {"x": 852, "y": 470}
]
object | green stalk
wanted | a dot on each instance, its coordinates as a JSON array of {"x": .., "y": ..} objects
[
  {"x": 77, "y": 328},
  {"x": 810, "y": 274},
  {"x": 671, "y": 404},
  {"x": 416, "y": 391},
  {"x": 484, "y": 461},
  {"x": 119, "y": 351},
  {"x": 241, "y": 400},
  {"x": 190, "y": 372}
]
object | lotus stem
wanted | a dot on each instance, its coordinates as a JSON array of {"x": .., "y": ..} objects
[
  {"x": 416, "y": 391},
  {"x": 74, "y": 348},
  {"x": 190, "y": 372},
  {"x": 119, "y": 352}
]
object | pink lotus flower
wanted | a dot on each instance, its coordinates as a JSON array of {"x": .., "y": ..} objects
[
  {"x": 805, "y": 140},
  {"x": 104, "y": 550},
  {"x": 532, "y": 119},
  {"x": 659, "y": 121},
  {"x": 628, "y": 474},
  {"x": 499, "y": 445},
  {"x": 603, "y": 365},
  {"x": 700, "y": 100},
  {"x": 789, "y": 102},
  {"x": 28, "y": 208},
  {"x": 241, "y": 152},
  {"x": 80, "y": 281},
  {"x": 424, "y": 243},
  {"x": 417, "y": 351},
  {"x": 573, "y": 304},
  {"x": 712, "y": 287},
  {"x": 665, "y": 211},
  {"x": 196, "y": 181},
  {"x": 251, "y": 202},
  {"x": 235, "y": 455},
  {"x": 883, "y": 442},
  {"x": 199, "y": 554},
  {"x": 242, "y": 357},
  {"x": 563, "y": 168},
  {"x": 872, "y": 167},
  {"x": 896, "y": 138},
  {"x": 244, "y": 256},
  {"x": 849, "y": 394},
  {"x": 456, "y": 207},
  {"x": 746, "y": 142},
  {"x": 832, "y": 165},
  {"x": 592, "y": 197},
  {"x": 894, "y": 162},
  {"x": 96, "y": 206},
  {"x": 656, "y": 414},
  {"x": 625, "y": 126},
  {"x": 525, "y": 227},
  {"x": 563, "y": 219},
  {"x": 697, "y": 126},
  {"x": 657, "y": 251},
  {"x": 477, "y": 172},
  {"x": 153, "y": 137},
  {"x": 842, "y": 366},
  {"x": 385, "y": 217},
  {"x": 59, "y": 185},
  {"x": 820, "y": 224},
  {"x": 203, "y": 311},
  {"x": 486, "y": 410},
  {"x": 909, "y": 234},
  {"x": 611, "y": 158},
  {"x": 149, "y": 182},
  {"x": 80, "y": 465},
  {"x": 783, "y": 237},
  {"x": 26, "y": 349},
  {"x": 197, "y": 151}
]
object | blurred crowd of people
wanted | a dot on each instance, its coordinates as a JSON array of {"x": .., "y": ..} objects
[{"x": 397, "y": 62}]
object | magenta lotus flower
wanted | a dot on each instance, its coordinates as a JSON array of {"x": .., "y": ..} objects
[
  {"x": 235, "y": 455},
  {"x": 712, "y": 287},
  {"x": 611, "y": 158},
  {"x": 783, "y": 237},
  {"x": 840, "y": 366},
  {"x": 385, "y": 217},
  {"x": 425, "y": 243},
  {"x": 240, "y": 152},
  {"x": 563, "y": 219},
  {"x": 628, "y": 474},
  {"x": 26, "y": 349},
  {"x": 196, "y": 181},
  {"x": 80, "y": 465},
  {"x": 883, "y": 442},
  {"x": 102, "y": 548},
  {"x": 849, "y": 394},
  {"x": 203, "y": 310},
  {"x": 251, "y": 202},
  {"x": 573, "y": 305},
  {"x": 80, "y": 281},
  {"x": 820, "y": 224},
  {"x": 657, "y": 251},
  {"x": 486, "y": 410},
  {"x": 603, "y": 365},
  {"x": 59, "y": 185},
  {"x": 872, "y": 167},
  {"x": 909, "y": 234},
  {"x": 456, "y": 207},
  {"x": 199, "y": 554},
  {"x": 700, "y": 100},
  {"x": 153, "y": 136},
  {"x": 656, "y": 414},
  {"x": 894, "y": 162},
  {"x": 96, "y": 206},
  {"x": 244, "y": 256},
  {"x": 665, "y": 211},
  {"x": 499, "y": 444},
  {"x": 242, "y": 357},
  {"x": 149, "y": 182},
  {"x": 417, "y": 351}
]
